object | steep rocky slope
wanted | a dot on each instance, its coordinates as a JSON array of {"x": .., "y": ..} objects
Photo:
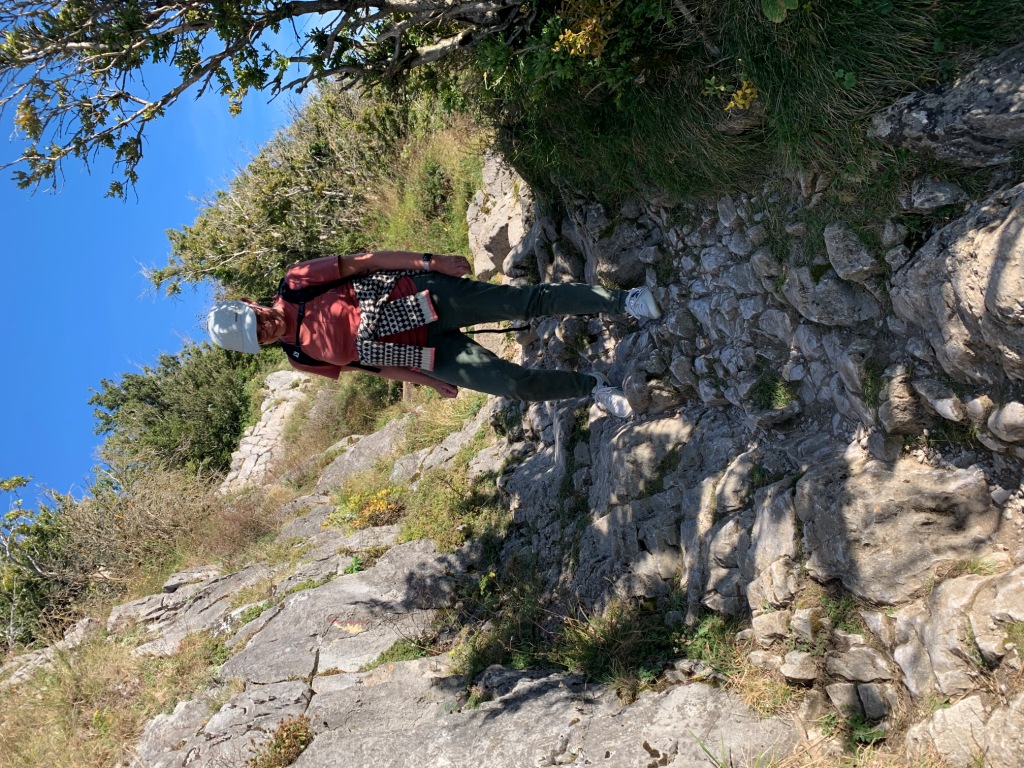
[{"x": 824, "y": 416}]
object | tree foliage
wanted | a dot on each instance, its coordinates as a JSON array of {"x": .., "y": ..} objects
[
  {"x": 73, "y": 70},
  {"x": 188, "y": 411},
  {"x": 29, "y": 581},
  {"x": 304, "y": 195}
]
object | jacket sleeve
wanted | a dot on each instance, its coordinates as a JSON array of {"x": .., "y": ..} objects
[{"x": 313, "y": 272}]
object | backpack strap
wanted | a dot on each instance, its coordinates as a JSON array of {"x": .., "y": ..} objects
[{"x": 310, "y": 292}]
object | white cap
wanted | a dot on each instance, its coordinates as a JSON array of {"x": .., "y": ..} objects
[{"x": 232, "y": 325}]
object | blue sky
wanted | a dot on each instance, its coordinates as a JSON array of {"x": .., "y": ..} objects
[{"x": 77, "y": 308}]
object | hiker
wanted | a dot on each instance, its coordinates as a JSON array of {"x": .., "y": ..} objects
[{"x": 398, "y": 314}]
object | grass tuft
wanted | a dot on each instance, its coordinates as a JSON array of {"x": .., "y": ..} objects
[
  {"x": 89, "y": 710},
  {"x": 403, "y": 650},
  {"x": 423, "y": 204},
  {"x": 771, "y": 392},
  {"x": 290, "y": 740}
]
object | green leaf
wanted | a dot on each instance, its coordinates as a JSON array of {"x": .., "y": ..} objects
[
  {"x": 791, "y": 5},
  {"x": 774, "y": 10}
]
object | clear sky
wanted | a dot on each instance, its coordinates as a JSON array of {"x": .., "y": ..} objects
[{"x": 76, "y": 307}]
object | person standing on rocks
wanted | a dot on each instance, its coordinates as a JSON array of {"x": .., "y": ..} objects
[{"x": 398, "y": 314}]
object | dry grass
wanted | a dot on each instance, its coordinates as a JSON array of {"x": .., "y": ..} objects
[
  {"x": 816, "y": 755},
  {"x": 435, "y": 417},
  {"x": 762, "y": 690},
  {"x": 118, "y": 546},
  {"x": 90, "y": 709},
  {"x": 423, "y": 205},
  {"x": 713, "y": 641},
  {"x": 355, "y": 404}
]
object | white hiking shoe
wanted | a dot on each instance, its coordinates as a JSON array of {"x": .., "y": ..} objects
[
  {"x": 611, "y": 399},
  {"x": 640, "y": 304}
]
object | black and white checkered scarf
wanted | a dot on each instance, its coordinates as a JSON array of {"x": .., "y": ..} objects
[{"x": 379, "y": 317}]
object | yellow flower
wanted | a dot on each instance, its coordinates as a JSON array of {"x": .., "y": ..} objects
[{"x": 744, "y": 97}]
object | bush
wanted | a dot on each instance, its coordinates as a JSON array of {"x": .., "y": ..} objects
[
  {"x": 30, "y": 586},
  {"x": 123, "y": 540},
  {"x": 311, "y": 191},
  {"x": 188, "y": 411},
  {"x": 302, "y": 196}
]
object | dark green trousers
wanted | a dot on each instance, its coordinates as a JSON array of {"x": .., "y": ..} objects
[{"x": 461, "y": 361}]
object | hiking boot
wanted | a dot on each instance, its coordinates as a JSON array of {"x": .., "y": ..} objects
[
  {"x": 611, "y": 399},
  {"x": 640, "y": 304}
]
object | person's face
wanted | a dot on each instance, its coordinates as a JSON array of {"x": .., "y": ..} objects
[{"x": 270, "y": 324}]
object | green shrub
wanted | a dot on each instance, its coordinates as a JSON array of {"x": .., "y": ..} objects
[
  {"x": 302, "y": 196},
  {"x": 322, "y": 186},
  {"x": 188, "y": 411},
  {"x": 374, "y": 506},
  {"x": 35, "y": 584},
  {"x": 622, "y": 647}
]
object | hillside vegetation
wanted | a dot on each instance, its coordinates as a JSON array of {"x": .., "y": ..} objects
[{"x": 607, "y": 99}]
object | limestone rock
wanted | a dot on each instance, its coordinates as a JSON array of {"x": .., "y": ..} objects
[
  {"x": 883, "y": 530},
  {"x": 362, "y": 455},
  {"x": 878, "y": 700},
  {"x": 849, "y": 256},
  {"x": 806, "y": 624},
  {"x": 927, "y": 194},
  {"x": 941, "y": 399},
  {"x": 232, "y": 736},
  {"x": 957, "y": 733},
  {"x": 261, "y": 444},
  {"x": 190, "y": 576},
  {"x": 161, "y": 741},
  {"x": 499, "y": 216},
  {"x": 999, "y": 604},
  {"x": 977, "y": 121},
  {"x": 830, "y": 301},
  {"x": 769, "y": 565},
  {"x": 537, "y": 719},
  {"x": 844, "y": 698},
  {"x": 934, "y": 647},
  {"x": 349, "y": 621},
  {"x": 964, "y": 290},
  {"x": 859, "y": 665},
  {"x": 611, "y": 248},
  {"x": 899, "y": 411},
  {"x": 410, "y": 468},
  {"x": 1007, "y": 422},
  {"x": 770, "y": 627},
  {"x": 800, "y": 667},
  {"x": 170, "y": 616}
]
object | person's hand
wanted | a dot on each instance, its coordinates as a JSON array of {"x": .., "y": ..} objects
[
  {"x": 444, "y": 389},
  {"x": 456, "y": 266}
]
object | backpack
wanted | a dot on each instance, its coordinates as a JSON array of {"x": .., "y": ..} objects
[{"x": 300, "y": 296}]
